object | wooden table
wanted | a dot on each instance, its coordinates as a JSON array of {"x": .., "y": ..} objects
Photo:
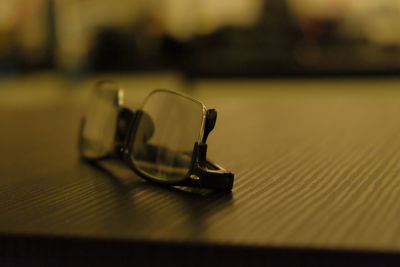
[{"x": 317, "y": 167}]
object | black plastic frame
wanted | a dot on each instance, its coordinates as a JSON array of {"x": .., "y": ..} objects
[{"x": 202, "y": 173}]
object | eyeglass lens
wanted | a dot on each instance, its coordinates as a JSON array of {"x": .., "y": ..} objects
[{"x": 165, "y": 136}]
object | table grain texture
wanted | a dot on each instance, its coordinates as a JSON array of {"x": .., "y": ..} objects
[{"x": 317, "y": 183}]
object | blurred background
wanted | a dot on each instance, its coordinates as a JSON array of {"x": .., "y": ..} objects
[
  {"x": 201, "y": 37},
  {"x": 53, "y": 44}
]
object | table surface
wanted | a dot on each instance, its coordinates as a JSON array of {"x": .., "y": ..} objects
[{"x": 316, "y": 166}]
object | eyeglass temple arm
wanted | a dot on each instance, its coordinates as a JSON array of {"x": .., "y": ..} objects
[{"x": 206, "y": 174}]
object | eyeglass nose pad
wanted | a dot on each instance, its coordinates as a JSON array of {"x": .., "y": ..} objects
[{"x": 125, "y": 117}]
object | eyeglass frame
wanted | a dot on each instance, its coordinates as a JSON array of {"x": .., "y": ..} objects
[{"x": 202, "y": 172}]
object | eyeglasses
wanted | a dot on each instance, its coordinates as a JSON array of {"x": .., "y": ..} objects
[{"x": 163, "y": 142}]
